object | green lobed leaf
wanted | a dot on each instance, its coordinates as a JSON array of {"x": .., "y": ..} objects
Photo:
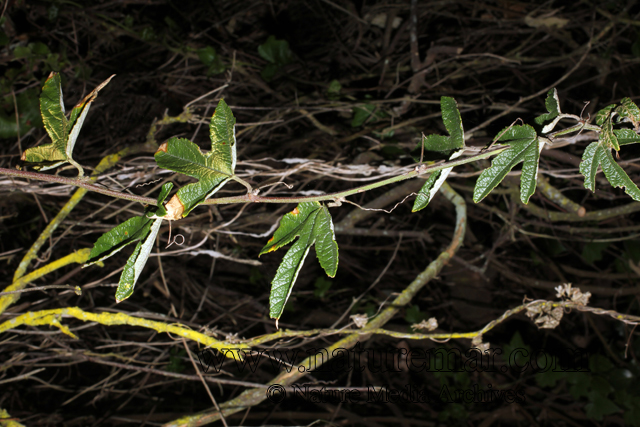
[
  {"x": 553, "y": 107},
  {"x": 160, "y": 210},
  {"x": 453, "y": 143},
  {"x": 77, "y": 116},
  {"x": 212, "y": 169},
  {"x": 124, "y": 291},
  {"x": 616, "y": 176},
  {"x": 312, "y": 223},
  {"x": 626, "y": 136},
  {"x": 207, "y": 55},
  {"x": 524, "y": 147},
  {"x": 222, "y": 131},
  {"x": 607, "y": 136},
  {"x": 321, "y": 286},
  {"x": 603, "y": 114},
  {"x": 276, "y": 51},
  {"x": 433, "y": 184},
  {"x": 413, "y": 315},
  {"x": 600, "y": 405},
  {"x": 452, "y": 122},
  {"x": 427, "y": 192},
  {"x": 118, "y": 237},
  {"x": 55, "y": 123},
  {"x": 136, "y": 262},
  {"x": 629, "y": 109},
  {"x": 28, "y": 105},
  {"x": 366, "y": 114},
  {"x": 142, "y": 229},
  {"x": 62, "y": 131},
  {"x": 130, "y": 231},
  {"x": 334, "y": 88},
  {"x": 529, "y": 175},
  {"x": 589, "y": 164},
  {"x": 592, "y": 251}
]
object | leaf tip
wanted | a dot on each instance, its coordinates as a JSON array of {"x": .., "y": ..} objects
[{"x": 174, "y": 208}]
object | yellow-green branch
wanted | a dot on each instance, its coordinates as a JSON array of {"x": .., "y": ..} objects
[
  {"x": 78, "y": 257},
  {"x": 255, "y": 396},
  {"x": 53, "y": 317}
]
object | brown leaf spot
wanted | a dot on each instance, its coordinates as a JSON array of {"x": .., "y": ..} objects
[
  {"x": 24, "y": 156},
  {"x": 174, "y": 209},
  {"x": 162, "y": 147},
  {"x": 295, "y": 211}
]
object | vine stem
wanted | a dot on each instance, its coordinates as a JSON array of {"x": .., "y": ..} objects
[
  {"x": 253, "y": 397},
  {"x": 251, "y": 198}
]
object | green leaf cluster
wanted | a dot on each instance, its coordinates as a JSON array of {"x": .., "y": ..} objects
[
  {"x": 368, "y": 113},
  {"x": 452, "y": 145},
  {"x": 277, "y": 53},
  {"x": 212, "y": 170},
  {"x": 598, "y": 154},
  {"x": 553, "y": 107},
  {"x": 142, "y": 229},
  {"x": 524, "y": 146},
  {"x": 321, "y": 286},
  {"x": 38, "y": 53},
  {"x": 62, "y": 131},
  {"x": 28, "y": 106},
  {"x": 212, "y": 60},
  {"x": 312, "y": 223}
]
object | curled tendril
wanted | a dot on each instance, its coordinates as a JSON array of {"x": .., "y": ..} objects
[
  {"x": 144, "y": 184},
  {"x": 174, "y": 240}
]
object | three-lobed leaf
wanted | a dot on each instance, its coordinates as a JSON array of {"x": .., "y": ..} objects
[
  {"x": 599, "y": 154},
  {"x": 616, "y": 176},
  {"x": 524, "y": 147},
  {"x": 629, "y": 110},
  {"x": 137, "y": 261},
  {"x": 212, "y": 170},
  {"x": 453, "y": 145},
  {"x": 62, "y": 131},
  {"x": 607, "y": 135},
  {"x": 114, "y": 240},
  {"x": 604, "y": 114},
  {"x": 589, "y": 164},
  {"x": 277, "y": 53},
  {"x": 142, "y": 229},
  {"x": 553, "y": 107},
  {"x": 626, "y": 136},
  {"x": 312, "y": 223}
]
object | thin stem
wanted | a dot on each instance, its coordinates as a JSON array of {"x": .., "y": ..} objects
[
  {"x": 82, "y": 183},
  {"x": 237, "y": 179},
  {"x": 251, "y": 198},
  {"x": 574, "y": 128}
]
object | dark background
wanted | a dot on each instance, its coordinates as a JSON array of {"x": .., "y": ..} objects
[{"x": 349, "y": 66}]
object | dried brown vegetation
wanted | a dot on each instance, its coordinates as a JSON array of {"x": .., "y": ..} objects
[{"x": 497, "y": 58}]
